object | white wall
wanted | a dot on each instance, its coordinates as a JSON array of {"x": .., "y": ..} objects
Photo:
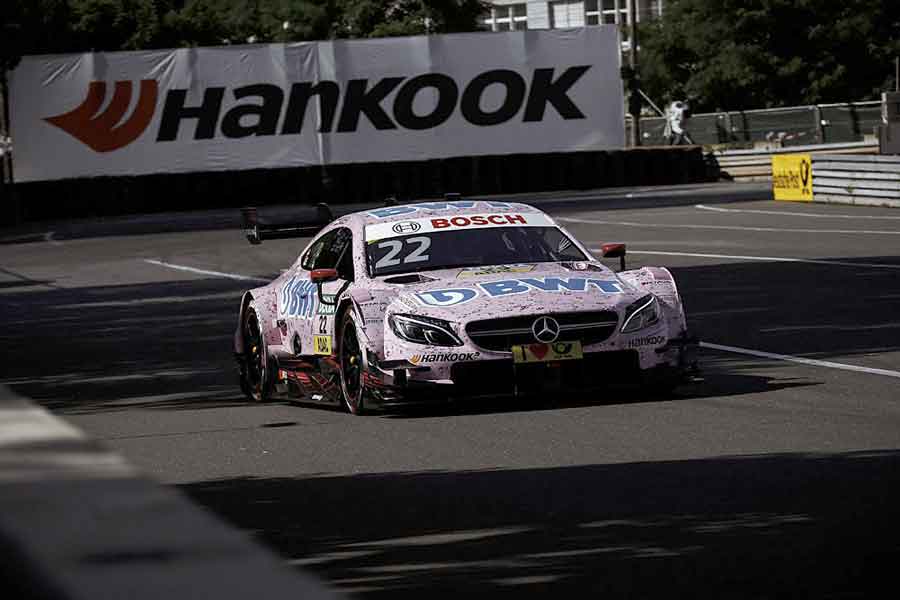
[{"x": 540, "y": 11}]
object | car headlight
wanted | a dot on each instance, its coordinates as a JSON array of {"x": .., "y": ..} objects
[
  {"x": 423, "y": 330},
  {"x": 643, "y": 313}
]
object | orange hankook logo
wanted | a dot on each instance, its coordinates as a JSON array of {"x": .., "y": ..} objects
[{"x": 105, "y": 132}]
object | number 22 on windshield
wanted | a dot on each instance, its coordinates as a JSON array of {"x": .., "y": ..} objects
[{"x": 396, "y": 247}]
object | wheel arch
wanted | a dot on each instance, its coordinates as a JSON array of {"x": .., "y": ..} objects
[
  {"x": 246, "y": 299},
  {"x": 348, "y": 304}
]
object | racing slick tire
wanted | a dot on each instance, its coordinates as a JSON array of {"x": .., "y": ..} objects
[
  {"x": 256, "y": 375},
  {"x": 350, "y": 359}
]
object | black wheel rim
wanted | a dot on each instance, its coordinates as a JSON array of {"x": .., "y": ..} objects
[
  {"x": 351, "y": 365},
  {"x": 253, "y": 345}
]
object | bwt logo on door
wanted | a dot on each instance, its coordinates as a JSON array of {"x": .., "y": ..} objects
[{"x": 269, "y": 110}]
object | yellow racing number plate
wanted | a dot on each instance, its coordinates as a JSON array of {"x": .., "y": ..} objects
[
  {"x": 531, "y": 353},
  {"x": 322, "y": 345}
]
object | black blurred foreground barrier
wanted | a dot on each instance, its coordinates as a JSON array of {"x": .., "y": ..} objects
[{"x": 352, "y": 183}]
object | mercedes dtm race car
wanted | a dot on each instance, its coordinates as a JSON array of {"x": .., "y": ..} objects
[{"x": 438, "y": 300}]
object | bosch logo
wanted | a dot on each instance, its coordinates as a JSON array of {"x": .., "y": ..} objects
[
  {"x": 545, "y": 330},
  {"x": 406, "y": 227}
]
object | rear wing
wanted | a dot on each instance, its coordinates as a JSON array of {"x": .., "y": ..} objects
[{"x": 257, "y": 231}]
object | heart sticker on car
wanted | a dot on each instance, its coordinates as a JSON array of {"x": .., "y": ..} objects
[{"x": 539, "y": 350}]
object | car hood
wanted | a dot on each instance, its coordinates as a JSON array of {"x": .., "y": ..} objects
[{"x": 468, "y": 294}]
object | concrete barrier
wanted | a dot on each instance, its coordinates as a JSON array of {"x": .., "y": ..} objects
[
  {"x": 78, "y": 522},
  {"x": 359, "y": 182}
]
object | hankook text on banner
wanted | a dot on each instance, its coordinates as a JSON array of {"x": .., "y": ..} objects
[{"x": 316, "y": 103}]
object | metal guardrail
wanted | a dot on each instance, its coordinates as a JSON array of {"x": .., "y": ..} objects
[
  {"x": 792, "y": 126},
  {"x": 864, "y": 180}
]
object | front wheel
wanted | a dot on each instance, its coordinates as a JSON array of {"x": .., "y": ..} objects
[
  {"x": 351, "y": 360},
  {"x": 256, "y": 376}
]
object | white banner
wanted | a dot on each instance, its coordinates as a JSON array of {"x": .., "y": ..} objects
[{"x": 263, "y": 106}]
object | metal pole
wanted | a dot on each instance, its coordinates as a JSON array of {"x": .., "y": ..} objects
[
  {"x": 9, "y": 198},
  {"x": 4, "y": 119},
  {"x": 653, "y": 105},
  {"x": 634, "y": 101},
  {"x": 897, "y": 74}
]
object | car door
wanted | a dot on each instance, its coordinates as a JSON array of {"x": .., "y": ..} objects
[{"x": 310, "y": 322}]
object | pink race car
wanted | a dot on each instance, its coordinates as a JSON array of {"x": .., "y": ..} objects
[{"x": 432, "y": 301}]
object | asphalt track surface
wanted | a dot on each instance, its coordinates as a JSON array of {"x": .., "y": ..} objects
[{"x": 771, "y": 478}]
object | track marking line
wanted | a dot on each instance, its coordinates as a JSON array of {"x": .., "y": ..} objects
[
  {"x": 803, "y": 361},
  {"x": 790, "y": 214},
  {"x": 809, "y": 261},
  {"x": 724, "y": 227},
  {"x": 235, "y": 276},
  {"x": 730, "y": 311},
  {"x": 782, "y": 328},
  {"x": 50, "y": 238}
]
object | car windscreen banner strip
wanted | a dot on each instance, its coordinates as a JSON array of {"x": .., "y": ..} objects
[
  {"x": 381, "y": 231},
  {"x": 316, "y": 103}
]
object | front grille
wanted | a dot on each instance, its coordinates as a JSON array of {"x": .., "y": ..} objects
[
  {"x": 500, "y": 335},
  {"x": 502, "y": 377}
]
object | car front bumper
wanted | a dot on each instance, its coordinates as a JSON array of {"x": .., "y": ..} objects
[{"x": 404, "y": 383}]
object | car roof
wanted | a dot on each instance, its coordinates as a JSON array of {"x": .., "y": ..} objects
[{"x": 402, "y": 212}]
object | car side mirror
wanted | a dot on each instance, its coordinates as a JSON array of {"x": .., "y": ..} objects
[
  {"x": 320, "y": 276},
  {"x": 614, "y": 250}
]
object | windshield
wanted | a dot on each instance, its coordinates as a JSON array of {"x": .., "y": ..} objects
[{"x": 470, "y": 248}]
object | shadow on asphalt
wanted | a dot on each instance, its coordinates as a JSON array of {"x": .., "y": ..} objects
[
  {"x": 795, "y": 308},
  {"x": 722, "y": 376},
  {"x": 122, "y": 348},
  {"x": 774, "y": 526},
  {"x": 164, "y": 346},
  {"x": 168, "y": 345}
]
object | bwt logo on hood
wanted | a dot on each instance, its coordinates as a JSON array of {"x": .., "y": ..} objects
[{"x": 273, "y": 110}]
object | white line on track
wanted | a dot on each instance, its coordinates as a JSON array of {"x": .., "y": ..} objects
[
  {"x": 50, "y": 239},
  {"x": 188, "y": 269},
  {"x": 724, "y": 227},
  {"x": 783, "y": 328},
  {"x": 832, "y": 263},
  {"x": 730, "y": 311},
  {"x": 800, "y": 360},
  {"x": 790, "y": 214}
]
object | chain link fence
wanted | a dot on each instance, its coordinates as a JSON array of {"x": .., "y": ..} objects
[{"x": 794, "y": 126}]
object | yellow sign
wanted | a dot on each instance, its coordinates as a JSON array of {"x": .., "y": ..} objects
[
  {"x": 528, "y": 353},
  {"x": 792, "y": 177},
  {"x": 322, "y": 345}
]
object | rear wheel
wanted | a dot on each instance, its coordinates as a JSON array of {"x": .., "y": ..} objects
[
  {"x": 351, "y": 360},
  {"x": 256, "y": 377}
]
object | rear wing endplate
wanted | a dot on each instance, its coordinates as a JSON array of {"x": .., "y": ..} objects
[{"x": 257, "y": 231}]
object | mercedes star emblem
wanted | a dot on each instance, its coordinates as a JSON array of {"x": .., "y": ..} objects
[{"x": 545, "y": 330}]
